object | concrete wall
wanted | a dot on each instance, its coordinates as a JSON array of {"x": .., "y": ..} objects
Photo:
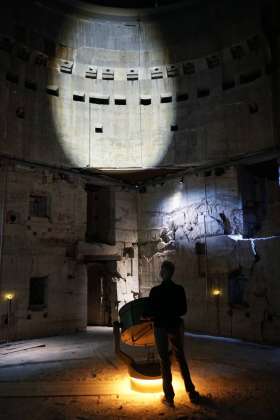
[
  {"x": 220, "y": 56},
  {"x": 126, "y": 232},
  {"x": 127, "y": 236},
  {"x": 175, "y": 217},
  {"x": 42, "y": 247},
  {"x": 211, "y": 73},
  {"x": 54, "y": 247},
  {"x": 166, "y": 222}
]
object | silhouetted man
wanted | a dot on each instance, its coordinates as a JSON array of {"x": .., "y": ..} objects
[{"x": 167, "y": 305}]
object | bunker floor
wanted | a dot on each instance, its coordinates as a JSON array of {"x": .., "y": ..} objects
[{"x": 78, "y": 377}]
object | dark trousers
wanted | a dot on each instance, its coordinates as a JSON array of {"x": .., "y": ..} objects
[{"x": 174, "y": 336}]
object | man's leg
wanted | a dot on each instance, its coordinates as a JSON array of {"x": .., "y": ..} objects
[
  {"x": 177, "y": 340},
  {"x": 161, "y": 338}
]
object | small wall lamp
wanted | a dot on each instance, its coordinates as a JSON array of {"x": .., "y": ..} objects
[{"x": 9, "y": 296}]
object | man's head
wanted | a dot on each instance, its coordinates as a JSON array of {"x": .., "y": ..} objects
[{"x": 167, "y": 269}]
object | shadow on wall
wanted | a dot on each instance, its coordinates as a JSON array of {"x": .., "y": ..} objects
[
  {"x": 223, "y": 94},
  {"x": 29, "y": 90},
  {"x": 203, "y": 79}
]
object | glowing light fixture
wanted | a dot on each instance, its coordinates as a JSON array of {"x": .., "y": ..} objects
[
  {"x": 146, "y": 385},
  {"x": 150, "y": 388},
  {"x": 9, "y": 296},
  {"x": 216, "y": 292}
]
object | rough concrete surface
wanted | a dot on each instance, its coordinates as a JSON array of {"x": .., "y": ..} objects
[
  {"x": 214, "y": 59},
  {"x": 78, "y": 377}
]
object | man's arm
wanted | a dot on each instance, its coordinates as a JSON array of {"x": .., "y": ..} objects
[
  {"x": 149, "y": 312},
  {"x": 182, "y": 302}
]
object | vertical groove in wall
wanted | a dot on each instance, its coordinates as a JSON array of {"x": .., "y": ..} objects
[
  {"x": 2, "y": 217},
  {"x": 137, "y": 239},
  {"x": 89, "y": 134},
  {"x": 139, "y": 92},
  {"x": 206, "y": 250}
]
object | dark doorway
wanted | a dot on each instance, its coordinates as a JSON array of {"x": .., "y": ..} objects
[
  {"x": 100, "y": 215},
  {"x": 102, "y": 294}
]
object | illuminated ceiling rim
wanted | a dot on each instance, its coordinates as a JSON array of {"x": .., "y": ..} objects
[
  {"x": 132, "y": 4},
  {"x": 88, "y": 8}
]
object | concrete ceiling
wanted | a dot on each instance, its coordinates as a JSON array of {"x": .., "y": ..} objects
[
  {"x": 141, "y": 176},
  {"x": 138, "y": 4}
]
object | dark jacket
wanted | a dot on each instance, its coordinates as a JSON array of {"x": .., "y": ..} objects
[{"x": 167, "y": 304}]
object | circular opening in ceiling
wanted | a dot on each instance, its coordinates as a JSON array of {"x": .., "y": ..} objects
[{"x": 133, "y": 4}]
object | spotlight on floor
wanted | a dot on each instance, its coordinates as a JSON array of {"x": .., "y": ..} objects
[
  {"x": 145, "y": 376},
  {"x": 146, "y": 385}
]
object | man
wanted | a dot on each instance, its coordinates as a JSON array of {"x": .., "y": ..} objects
[{"x": 167, "y": 305}]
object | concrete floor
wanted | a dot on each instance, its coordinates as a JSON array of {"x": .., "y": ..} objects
[{"x": 78, "y": 377}]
